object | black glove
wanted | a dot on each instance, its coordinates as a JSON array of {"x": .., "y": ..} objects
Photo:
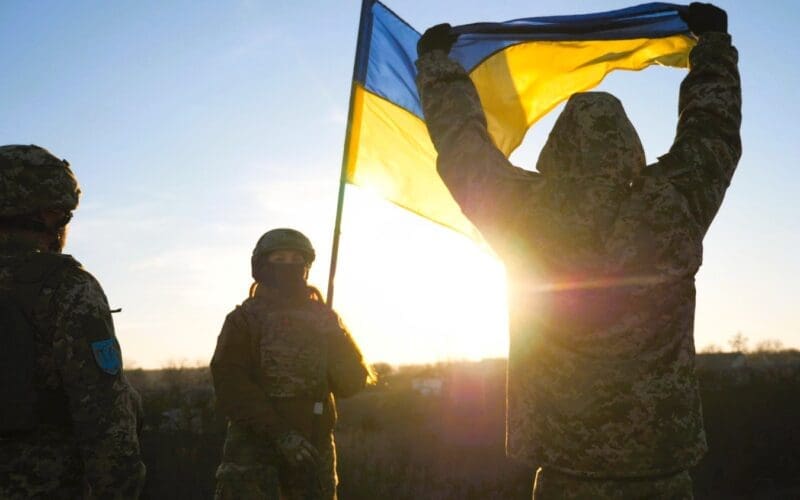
[
  {"x": 437, "y": 37},
  {"x": 704, "y": 17}
]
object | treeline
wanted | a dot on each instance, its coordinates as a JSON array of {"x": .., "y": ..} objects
[{"x": 436, "y": 432}]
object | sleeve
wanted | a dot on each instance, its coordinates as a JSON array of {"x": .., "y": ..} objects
[
  {"x": 707, "y": 147},
  {"x": 487, "y": 187},
  {"x": 103, "y": 406},
  {"x": 239, "y": 396},
  {"x": 347, "y": 370}
]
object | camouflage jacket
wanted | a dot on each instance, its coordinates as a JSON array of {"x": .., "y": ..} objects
[
  {"x": 274, "y": 360},
  {"x": 601, "y": 253},
  {"x": 94, "y": 446}
]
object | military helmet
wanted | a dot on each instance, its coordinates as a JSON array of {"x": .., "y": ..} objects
[
  {"x": 283, "y": 239},
  {"x": 32, "y": 179}
]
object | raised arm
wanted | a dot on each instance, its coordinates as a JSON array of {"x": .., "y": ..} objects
[
  {"x": 487, "y": 187},
  {"x": 707, "y": 146}
]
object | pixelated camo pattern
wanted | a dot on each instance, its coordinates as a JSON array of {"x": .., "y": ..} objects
[
  {"x": 601, "y": 253},
  {"x": 273, "y": 361},
  {"x": 251, "y": 469},
  {"x": 102, "y": 450},
  {"x": 31, "y": 178},
  {"x": 298, "y": 352}
]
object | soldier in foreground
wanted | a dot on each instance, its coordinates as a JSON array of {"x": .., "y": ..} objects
[
  {"x": 68, "y": 418},
  {"x": 601, "y": 253},
  {"x": 281, "y": 358}
]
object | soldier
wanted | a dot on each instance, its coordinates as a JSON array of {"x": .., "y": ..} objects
[
  {"x": 281, "y": 358},
  {"x": 601, "y": 253},
  {"x": 68, "y": 418}
]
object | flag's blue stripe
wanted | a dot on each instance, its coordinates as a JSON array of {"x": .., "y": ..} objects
[
  {"x": 387, "y": 46},
  {"x": 363, "y": 43},
  {"x": 597, "y": 21},
  {"x": 654, "y": 20},
  {"x": 390, "y": 70}
]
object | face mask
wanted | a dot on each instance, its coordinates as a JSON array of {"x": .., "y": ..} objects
[{"x": 288, "y": 279}]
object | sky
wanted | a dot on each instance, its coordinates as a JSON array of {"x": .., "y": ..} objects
[{"x": 195, "y": 126}]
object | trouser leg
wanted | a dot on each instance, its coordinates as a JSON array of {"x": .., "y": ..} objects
[
  {"x": 311, "y": 483},
  {"x": 246, "y": 482},
  {"x": 551, "y": 484}
]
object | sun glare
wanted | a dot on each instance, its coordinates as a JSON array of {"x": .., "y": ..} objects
[{"x": 414, "y": 292}]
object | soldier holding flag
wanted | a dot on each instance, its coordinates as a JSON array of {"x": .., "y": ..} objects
[{"x": 601, "y": 252}]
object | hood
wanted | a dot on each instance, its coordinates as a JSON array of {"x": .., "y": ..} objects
[
  {"x": 589, "y": 160},
  {"x": 592, "y": 139}
]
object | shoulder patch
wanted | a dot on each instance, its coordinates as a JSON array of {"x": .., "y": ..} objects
[{"x": 107, "y": 355}]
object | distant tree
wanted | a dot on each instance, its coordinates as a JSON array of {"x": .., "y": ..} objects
[
  {"x": 769, "y": 345},
  {"x": 382, "y": 370},
  {"x": 130, "y": 364},
  {"x": 711, "y": 348},
  {"x": 739, "y": 342}
]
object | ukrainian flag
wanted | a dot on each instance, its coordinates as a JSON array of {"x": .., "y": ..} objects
[{"x": 522, "y": 69}]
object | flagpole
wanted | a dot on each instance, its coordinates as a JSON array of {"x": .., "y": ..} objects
[
  {"x": 359, "y": 65},
  {"x": 337, "y": 227}
]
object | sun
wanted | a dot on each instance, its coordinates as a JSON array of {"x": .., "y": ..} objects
[{"x": 414, "y": 292}]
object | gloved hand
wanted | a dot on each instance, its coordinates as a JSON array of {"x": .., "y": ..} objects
[
  {"x": 704, "y": 17},
  {"x": 296, "y": 449},
  {"x": 437, "y": 37}
]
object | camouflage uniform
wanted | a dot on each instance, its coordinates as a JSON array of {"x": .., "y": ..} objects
[
  {"x": 275, "y": 359},
  {"x": 80, "y": 435},
  {"x": 601, "y": 253}
]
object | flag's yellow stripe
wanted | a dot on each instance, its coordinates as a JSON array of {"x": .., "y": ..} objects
[
  {"x": 391, "y": 153},
  {"x": 522, "y": 83}
]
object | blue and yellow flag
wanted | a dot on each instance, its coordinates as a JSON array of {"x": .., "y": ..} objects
[{"x": 522, "y": 69}]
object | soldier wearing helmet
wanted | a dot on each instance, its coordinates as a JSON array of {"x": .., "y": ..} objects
[
  {"x": 39, "y": 193},
  {"x": 68, "y": 418},
  {"x": 282, "y": 358}
]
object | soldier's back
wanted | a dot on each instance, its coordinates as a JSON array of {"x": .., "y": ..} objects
[{"x": 39, "y": 457}]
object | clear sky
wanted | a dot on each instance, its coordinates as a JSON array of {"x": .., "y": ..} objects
[{"x": 195, "y": 126}]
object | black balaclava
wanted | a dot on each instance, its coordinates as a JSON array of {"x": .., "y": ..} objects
[{"x": 289, "y": 280}]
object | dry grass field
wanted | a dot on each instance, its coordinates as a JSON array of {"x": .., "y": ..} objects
[{"x": 436, "y": 432}]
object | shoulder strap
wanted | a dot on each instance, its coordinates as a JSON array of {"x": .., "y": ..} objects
[{"x": 34, "y": 273}]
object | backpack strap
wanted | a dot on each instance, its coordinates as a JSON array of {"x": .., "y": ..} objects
[{"x": 26, "y": 404}]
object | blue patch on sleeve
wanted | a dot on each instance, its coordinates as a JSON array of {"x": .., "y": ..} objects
[{"x": 107, "y": 355}]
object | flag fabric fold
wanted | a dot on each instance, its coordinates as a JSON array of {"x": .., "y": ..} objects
[{"x": 522, "y": 69}]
